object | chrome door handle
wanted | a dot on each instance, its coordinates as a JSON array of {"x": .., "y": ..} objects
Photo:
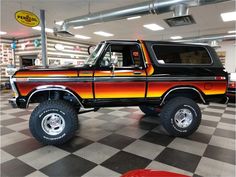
[{"x": 137, "y": 72}]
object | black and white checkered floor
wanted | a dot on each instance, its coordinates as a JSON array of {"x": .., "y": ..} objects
[{"x": 113, "y": 141}]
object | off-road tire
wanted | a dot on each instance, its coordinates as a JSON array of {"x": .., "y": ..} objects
[
  {"x": 150, "y": 110},
  {"x": 171, "y": 108},
  {"x": 60, "y": 107}
]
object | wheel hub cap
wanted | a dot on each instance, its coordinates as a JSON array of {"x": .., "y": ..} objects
[
  {"x": 183, "y": 118},
  {"x": 53, "y": 124}
]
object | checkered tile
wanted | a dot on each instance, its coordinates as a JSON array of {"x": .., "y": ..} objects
[{"x": 113, "y": 141}]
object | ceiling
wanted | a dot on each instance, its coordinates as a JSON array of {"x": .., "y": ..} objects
[{"x": 208, "y": 20}]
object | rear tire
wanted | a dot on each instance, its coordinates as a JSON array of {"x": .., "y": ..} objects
[
  {"x": 53, "y": 122},
  {"x": 181, "y": 116},
  {"x": 150, "y": 110}
]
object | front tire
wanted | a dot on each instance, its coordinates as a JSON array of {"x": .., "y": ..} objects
[
  {"x": 181, "y": 116},
  {"x": 53, "y": 122}
]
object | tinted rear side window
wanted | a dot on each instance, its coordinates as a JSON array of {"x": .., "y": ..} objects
[{"x": 189, "y": 55}]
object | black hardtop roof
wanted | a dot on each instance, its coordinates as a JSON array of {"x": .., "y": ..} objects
[{"x": 152, "y": 41}]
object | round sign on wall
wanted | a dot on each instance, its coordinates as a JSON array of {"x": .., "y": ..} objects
[{"x": 27, "y": 18}]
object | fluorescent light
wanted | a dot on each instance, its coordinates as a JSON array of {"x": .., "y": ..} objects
[
  {"x": 232, "y": 35},
  {"x": 59, "y": 23},
  {"x": 230, "y": 32},
  {"x": 228, "y": 16},
  {"x": 133, "y": 18},
  {"x": 78, "y": 27},
  {"x": 3, "y": 33},
  {"x": 46, "y": 29},
  {"x": 153, "y": 27},
  {"x": 102, "y": 33},
  {"x": 176, "y": 37},
  {"x": 82, "y": 37}
]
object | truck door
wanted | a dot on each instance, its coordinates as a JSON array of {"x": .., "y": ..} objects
[{"x": 121, "y": 73}]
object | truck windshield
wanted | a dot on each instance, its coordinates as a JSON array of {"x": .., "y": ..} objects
[{"x": 93, "y": 57}]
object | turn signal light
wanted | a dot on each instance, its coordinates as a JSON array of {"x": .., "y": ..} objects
[{"x": 220, "y": 78}]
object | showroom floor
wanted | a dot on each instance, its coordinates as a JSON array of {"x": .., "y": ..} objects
[{"x": 113, "y": 141}]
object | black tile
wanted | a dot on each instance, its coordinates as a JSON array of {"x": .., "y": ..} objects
[
  {"x": 11, "y": 121},
  {"x": 195, "y": 175},
  {"x": 221, "y": 154},
  {"x": 107, "y": 117},
  {"x": 216, "y": 107},
  {"x": 105, "y": 110},
  {"x": 22, "y": 147},
  {"x": 110, "y": 126},
  {"x": 156, "y": 138},
  {"x": 75, "y": 144},
  {"x": 15, "y": 168},
  {"x": 231, "y": 105},
  {"x": 212, "y": 113},
  {"x": 225, "y": 133},
  {"x": 209, "y": 123},
  {"x": 21, "y": 113},
  {"x": 229, "y": 112},
  {"x": 71, "y": 165},
  {"x": 5, "y": 131},
  {"x": 123, "y": 162},
  {"x": 145, "y": 124},
  {"x": 228, "y": 121},
  {"x": 200, "y": 137},
  {"x": 26, "y": 132},
  {"x": 179, "y": 159},
  {"x": 117, "y": 141}
]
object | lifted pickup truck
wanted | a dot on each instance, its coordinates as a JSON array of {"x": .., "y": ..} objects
[{"x": 165, "y": 77}]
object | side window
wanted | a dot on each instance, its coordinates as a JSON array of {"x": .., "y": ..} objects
[
  {"x": 189, "y": 55},
  {"x": 122, "y": 56}
]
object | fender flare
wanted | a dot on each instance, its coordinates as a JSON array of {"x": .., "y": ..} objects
[
  {"x": 53, "y": 88},
  {"x": 183, "y": 88}
]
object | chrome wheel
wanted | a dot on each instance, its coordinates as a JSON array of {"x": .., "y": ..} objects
[
  {"x": 183, "y": 118},
  {"x": 53, "y": 124}
]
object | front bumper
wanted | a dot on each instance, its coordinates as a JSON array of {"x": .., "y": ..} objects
[{"x": 12, "y": 101}]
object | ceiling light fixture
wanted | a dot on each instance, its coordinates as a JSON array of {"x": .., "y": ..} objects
[
  {"x": 46, "y": 29},
  {"x": 228, "y": 16},
  {"x": 230, "y": 32},
  {"x": 153, "y": 27},
  {"x": 133, "y": 18},
  {"x": 3, "y": 32},
  {"x": 78, "y": 27},
  {"x": 59, "y": 23},
  {"x": 176, "y": 37},
  {"x": 82, "y": 36},
  {"x": 102, "y": 33}
]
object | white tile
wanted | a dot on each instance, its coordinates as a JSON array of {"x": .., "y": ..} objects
[
  {"x": 211, "y": 118},
  {"x": 100, "y": 171},
  {"x": 5, "y": 156},
  {"x": 43, "y": 156},
  {"x": 6, "y": 117},
  {"x": 96, "y": 152},
  {"x": 93, "y": 134},
  {"x": 229, "y": 116},
  {"x": 188, "y": 146},
  {"x": 119, "y": 113},
  {"x": 12, "y": 138},
  {"x": 226, "y": 126},
  {"x": 92, "y": 114},
  {"x": 144, "y": 149},
  {"x": 223, "y": 142},
  {"x": 218, "y": 104},
  {"x": 125, "y": 121},
  {"x": 163, "y": 167},
  {"x": 19, "y": 126},
  {"x": 210, "y": 167},
  {"x": 206, "y": 129},
  {"x": 93, "y": 123},
  {"x": 214, "y": 110},
  {"x": 36, "y": 174},
  {"x": 132, "y": 132},
  {"x": 230, "y": 109}
]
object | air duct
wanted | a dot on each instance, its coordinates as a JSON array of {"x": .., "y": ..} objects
[{"x": 144, "y": 8}]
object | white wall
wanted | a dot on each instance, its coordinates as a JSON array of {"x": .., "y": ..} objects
[{"x": 230, "y": 59}]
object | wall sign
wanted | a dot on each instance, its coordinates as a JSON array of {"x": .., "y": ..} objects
[{"x": 27, "y": 18}]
